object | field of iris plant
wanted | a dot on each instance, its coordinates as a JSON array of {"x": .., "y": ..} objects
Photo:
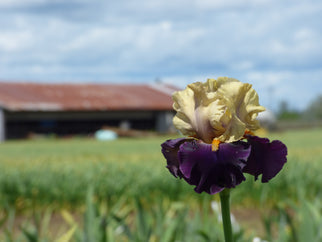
[{"x": 86, "y": 190}]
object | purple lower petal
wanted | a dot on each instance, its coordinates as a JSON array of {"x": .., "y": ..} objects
[
  {"x": 266, "y": 158},
  {"x": 215, "y": 189},
  {"x": 170, "y": 150},
  {"x": 212, "y": 171}
]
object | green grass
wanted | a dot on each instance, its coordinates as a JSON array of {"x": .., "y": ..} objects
[
  {"x": 59, "y": 171},
  {"x": 57, "y": 174}
]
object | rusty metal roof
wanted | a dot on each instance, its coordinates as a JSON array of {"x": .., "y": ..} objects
[{"x": 84, "y": 97}]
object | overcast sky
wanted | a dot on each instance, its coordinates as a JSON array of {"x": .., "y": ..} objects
[{"x": 276, "y": 45}]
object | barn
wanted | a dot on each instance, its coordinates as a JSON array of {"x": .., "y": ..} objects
[{"x": 69, "y": 109}]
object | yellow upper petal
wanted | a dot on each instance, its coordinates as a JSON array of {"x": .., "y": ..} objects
[
  {"x": 221, "y": 109},
  {"x": 184, "y": 105}
]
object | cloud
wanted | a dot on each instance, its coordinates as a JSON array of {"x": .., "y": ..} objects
[{"x": 268, "y": 43}]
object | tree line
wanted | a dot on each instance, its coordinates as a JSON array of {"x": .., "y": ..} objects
[{"x": 312, "y": 112}]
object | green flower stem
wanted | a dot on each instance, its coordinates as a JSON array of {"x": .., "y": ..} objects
[{"x": 225, "y": 213}]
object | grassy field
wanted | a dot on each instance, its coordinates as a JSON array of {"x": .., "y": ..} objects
[
  {"x": 61, "y": 170},
  {"x": 130, "y": 174}
]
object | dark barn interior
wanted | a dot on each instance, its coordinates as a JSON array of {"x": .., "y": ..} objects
[{"x": 28, "y": 109}]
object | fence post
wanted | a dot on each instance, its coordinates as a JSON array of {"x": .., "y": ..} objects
[{"x": 2, "y": 125}]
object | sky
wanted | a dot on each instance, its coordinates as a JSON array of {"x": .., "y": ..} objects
[{"x": 276, "y": 45}]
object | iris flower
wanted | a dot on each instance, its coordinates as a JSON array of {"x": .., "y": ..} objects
[{"x": 218, "y": 118}]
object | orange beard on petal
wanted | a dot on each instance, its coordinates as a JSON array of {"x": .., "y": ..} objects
[
  {"x": 215, "y": 144},
  {"x": 248, "y": 132}
]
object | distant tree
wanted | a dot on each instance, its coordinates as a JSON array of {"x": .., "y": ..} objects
[
  {"x": 314, "y": 110},
  {"x": 285, "y": 113},
  {"x": 283, "y": 107}
]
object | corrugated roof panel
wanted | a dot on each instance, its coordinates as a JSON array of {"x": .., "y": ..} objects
[{"x": 78, "y": 97}]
